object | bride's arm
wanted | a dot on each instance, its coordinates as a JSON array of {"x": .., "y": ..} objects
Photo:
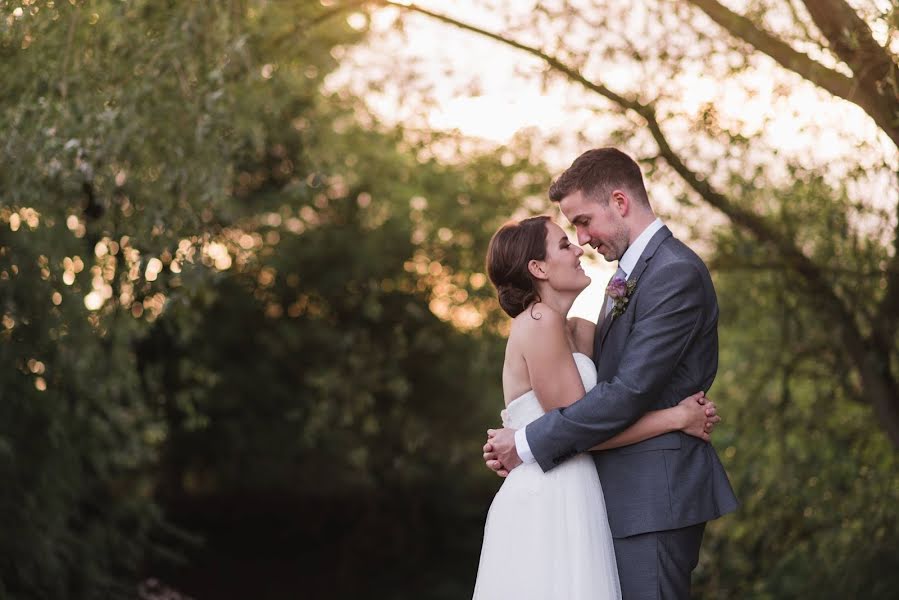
[
  {"x": 582, "y": 331},
  {"x": 688, "y": 416},
  {"x": 551, "y": 368}
]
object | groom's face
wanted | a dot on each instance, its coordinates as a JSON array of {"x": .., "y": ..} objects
[{"x": 596, "y": 224}]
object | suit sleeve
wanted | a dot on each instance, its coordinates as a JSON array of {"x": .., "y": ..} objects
[{"x": 671, "y": 313}]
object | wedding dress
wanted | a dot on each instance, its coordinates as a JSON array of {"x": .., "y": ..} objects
[{"x": 547, "y": 534}]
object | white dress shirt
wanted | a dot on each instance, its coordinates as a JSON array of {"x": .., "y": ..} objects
[{"x": 626, "y": 263}]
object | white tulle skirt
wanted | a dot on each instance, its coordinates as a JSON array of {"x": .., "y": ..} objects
[{"x": 547, "y": 537}]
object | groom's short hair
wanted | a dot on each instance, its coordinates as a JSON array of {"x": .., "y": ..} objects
[{"x": 597, "y": 173}]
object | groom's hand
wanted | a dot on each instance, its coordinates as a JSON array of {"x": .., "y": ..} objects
[{"x": 500, "y": 454}]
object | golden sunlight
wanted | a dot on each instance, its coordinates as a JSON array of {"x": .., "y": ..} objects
[{"x": 497, "y": 117}]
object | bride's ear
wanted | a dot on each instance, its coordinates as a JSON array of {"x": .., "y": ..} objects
[{"x": 537, "y": 269}]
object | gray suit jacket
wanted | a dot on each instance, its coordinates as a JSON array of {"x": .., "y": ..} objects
[{"x": 663, "y": 348}]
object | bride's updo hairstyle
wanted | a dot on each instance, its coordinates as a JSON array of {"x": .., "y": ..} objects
[{"x": 512, "y": 247}]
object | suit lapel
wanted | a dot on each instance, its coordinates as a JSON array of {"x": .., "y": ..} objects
[
  {"x": 597, "y": 332},
  {"x": 660, "y": 236},
  {"x": 604, "y": 330},
  {"x": 604, "y": 327}
]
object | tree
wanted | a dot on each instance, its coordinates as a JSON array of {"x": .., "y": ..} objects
[
  {"x": 844, "y": 41},
  {"x": 361, "y": 407},
  {"x": 216, "y": 279},
  {"x": 122, "y": 123},
  {"x": 815, "y": 486},
  {"x": 803, "y": 249},
  {"x": 217, "y": 284}
]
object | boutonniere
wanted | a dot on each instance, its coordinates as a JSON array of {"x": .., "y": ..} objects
[{"x": 620, "y": 291}]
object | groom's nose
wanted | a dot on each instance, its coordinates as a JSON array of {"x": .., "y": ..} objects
[{"x": 582, "y": 237}]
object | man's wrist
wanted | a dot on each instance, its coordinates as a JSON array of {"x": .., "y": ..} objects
[{"x": 522, "y": 446}]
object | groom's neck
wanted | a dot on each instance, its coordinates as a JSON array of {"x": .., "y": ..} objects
[{"x": 638, "y": 224}]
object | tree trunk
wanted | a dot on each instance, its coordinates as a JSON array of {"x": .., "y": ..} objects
[{"x": 881, "y": 390}]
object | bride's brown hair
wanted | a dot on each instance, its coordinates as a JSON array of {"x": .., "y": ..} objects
[{"x": 511, "y": 248}]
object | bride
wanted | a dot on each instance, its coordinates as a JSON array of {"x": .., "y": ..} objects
[{"x": 547, "y": 535}]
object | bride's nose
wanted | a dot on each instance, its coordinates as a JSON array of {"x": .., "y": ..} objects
[{"x": 578, "y": 251}]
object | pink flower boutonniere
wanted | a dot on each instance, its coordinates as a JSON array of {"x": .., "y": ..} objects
[{"x": 620, "y": 291}]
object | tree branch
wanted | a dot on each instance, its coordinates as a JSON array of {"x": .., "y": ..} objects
[
  {"x": 812, "y": 275},
  {"x": 754, "y": 223},
  {"x": 735, "y": 263},
  {"x": 883, "y": 112},
  {"x": 850, "y": 38},
  {"x": 553, "y": 62},
  {"x": 876, "y": 70},
  {"x": 874, "y": 89},
  {"x": 887, "y": 314},
  {"x": 743, "y": 28}
]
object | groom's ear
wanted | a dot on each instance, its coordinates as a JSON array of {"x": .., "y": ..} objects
[
  {"x": 619, "y": 201},
  {"x": 537, "y": 268}
]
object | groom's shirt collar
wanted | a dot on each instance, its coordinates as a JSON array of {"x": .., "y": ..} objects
[{"x": 635, "y": 250}]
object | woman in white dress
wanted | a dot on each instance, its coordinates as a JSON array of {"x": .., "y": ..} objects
[{"x": 547, "y": 534}]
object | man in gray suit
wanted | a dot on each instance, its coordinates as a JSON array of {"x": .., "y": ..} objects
[{"x": 652, "y": 350}]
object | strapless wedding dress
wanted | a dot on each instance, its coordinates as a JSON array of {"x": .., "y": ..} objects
[{"x": 547, "y": 534}]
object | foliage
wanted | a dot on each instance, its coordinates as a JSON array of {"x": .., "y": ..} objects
[
  {"x": 346, "y": 409},
  {"x": 118, "y": 152},
  {"x": 248, "y": 325},
  {"x": 816, "y": 480},
  {"x": 216, "y": 284}
]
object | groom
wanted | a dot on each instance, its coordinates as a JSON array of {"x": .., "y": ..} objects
[{"x": 659, "y": 346}]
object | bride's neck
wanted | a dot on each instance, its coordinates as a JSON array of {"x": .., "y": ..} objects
[{"x": 561, "y": 302}]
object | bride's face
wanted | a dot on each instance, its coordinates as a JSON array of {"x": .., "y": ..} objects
[{"x": 562, "y": 265}]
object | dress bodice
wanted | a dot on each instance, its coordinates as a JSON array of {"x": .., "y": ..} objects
[
  {"x": 526, "y": 408},
  {"x": 547, "y": 534}
]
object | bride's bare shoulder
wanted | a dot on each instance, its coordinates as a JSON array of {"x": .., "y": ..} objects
[{"x": 537, "y": 321}]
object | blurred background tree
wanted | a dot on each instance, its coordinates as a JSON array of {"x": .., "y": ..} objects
[
  {"x": 220, "y": 291},
  {"x": 250, "y": 347}
]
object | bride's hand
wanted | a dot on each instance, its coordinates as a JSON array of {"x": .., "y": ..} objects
[{"x": 698, "y": 416}]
